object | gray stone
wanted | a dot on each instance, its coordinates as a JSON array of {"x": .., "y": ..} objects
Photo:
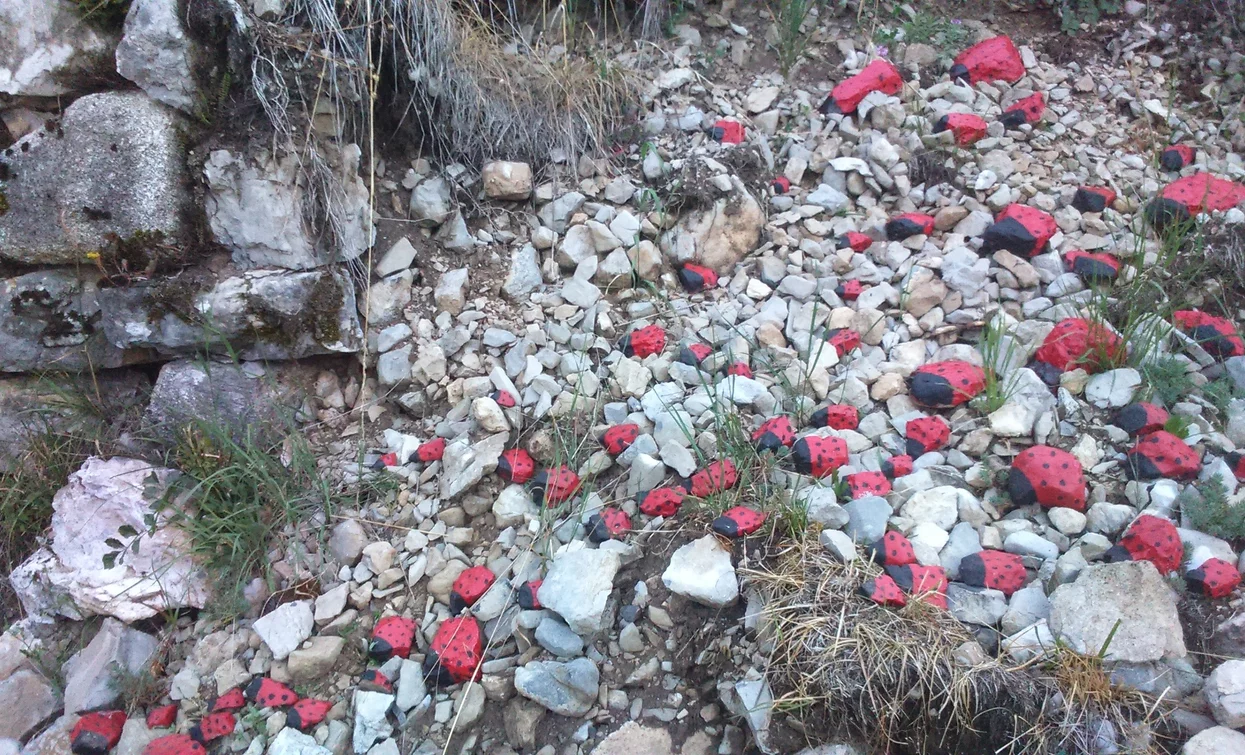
[
  {"x": 371, "y": 719},
  {"x": 558, "y": 638},
  {"x": 867, "y": 518},
  {"x": 449, "y": 293},
  {"x": 26, "y": 700},
  {"x": 393, "y": 368},
  {"x": 717, "y": 236},
  {"x": 347, "y": 541},
  {"x": 123, "y": 152},
  {"x": 285, "y": 628},
  {"x": 1217, "y": 740},
  {"x": 386, "y": 300},
  {"x": 412, "y": 688},
  {"x": 939, "y": 505},
  {"x": 830, "y": 198},
  {"x": 399, "y": 257},
  {"x": 633, "y": 739},
  {"x": 838, "y": 545},
  {"x": 823, "y": 508},
  {"x": 1132, "y": 594},
  {"x": 557, "y": 213},
  {"x": 45, "y": 48},
  {"x": 1225, "y": 693},
  {"x": 524, "y": 277},
  {"x": 50, "y": 320},
  {"x": 431, "y": 202},
  {"x": 229, "y": 395},
  {"x": 963, "y": 540},
  {"x": 91, "y": 675},
  {"x": 568, "y": 689},
  {"x": 701, "y": 571},
  {"x": 312, "y": 663},
  {"x": 1113, "y": 388},
  {"x": 974, "y": 605},
  {"x": 467, "y": 463},
  {"x": 507, "y": 180},
  {"x": 293, "y": 742},
  {"x": 1030, "y": 544},
  {"x": 156, "y": 54},
  {"x": 1027, "y": 606},
  {"x": 135, "y": 736},
  {"x": 579, "y": 588}
]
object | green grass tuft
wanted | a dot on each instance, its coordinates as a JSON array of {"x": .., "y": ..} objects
[
  {"x": 1207, "y": 509},
  {"x": 1166, "y": 380}
]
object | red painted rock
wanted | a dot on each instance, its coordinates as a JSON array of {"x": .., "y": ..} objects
[
  {"x": 643, "y": 342},
  {"x": 774, "y": 434},
  {"x": 174, "y": 744},
  {"x": 884, "y": 592},
  {"x": 836, "y": 416},
  {"x": 456, "y": 651},
  {"x": 504, "y": 399},
  {"x": 1216, "y": 335},
  {"x": 818, "y": 457},
  {"x": 1215, "y": 578},
  {"x": 1076, "y": 342},
  {"x": 386, "y": 460},
  {"x": 555, "y": 485},
  {"x": 854, "y": 240},
  {"x": 843, "y": 340},
  {"x": 663, "y": 502},
  {"x": 739, "y": 521},
  {"x": 946, "y": 384},
  {"x": 1162, "y": 454},
  {"x": 694, "y": 353},
  {"x": 780, "y": 185},
  {"x": 714, "y": 478},
  {"x": 212, "y": 727},
  {"x": 727, "y": 132},
  {"x": 1140, "y": 418},
  {"x": 429, "y": 451},
  {"x": 1096, "y": 267},
  {"x": 269, "y": 693},
  {"x": 926, "y": 434},
  {"x": 1029, "y": 110},
  {"x": 619, "y": 438},
  {"x": 1093, "y": 198},
  {"x": 893, "y": 549},
  {"x": 1050, "y": 477},
  {"x": 162, "y": 717},
  {"x": 739, "y": 368},
  {"x": 1176, "y": 157},
  {"x": 878, "y": 76},
  {"x": 230, "y": 701},
  {"x": 469, "y": 587},
  {"x": 697, "y": 278},
  {"x": 849, "y": 290},
  {"x": 1237, "y": 462},
  {"x": 1192, "y": 195},
  {"x": 1149, "y": 538},
  {"x": 897, "y": 466},
  {"x": 307, "y": 713},
  {"x": 607, "y": 524},
  {"x": 374, "y": 680},
  {"x": 516, "y": 465},
  {"x": 995, "y": 59},
  {"x": 393, "y": 636},
  {"x": 528, "y": 596},
  {"x": 996, "y": 570},
  {"x": 968, "y": 128},
  {"x": 1020, "y": 229},
  {"x": 908, "y": 224},
  {"x": 96, "y": 733},
  {"x": 862, "y": 484},
  {"x": 930, "y": 582}
]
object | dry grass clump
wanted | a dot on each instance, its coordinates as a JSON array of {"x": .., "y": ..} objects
[{"x": 844, "y": 667}]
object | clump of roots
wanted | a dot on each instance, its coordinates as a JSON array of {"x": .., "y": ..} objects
[{"x": 845, "y": 667}]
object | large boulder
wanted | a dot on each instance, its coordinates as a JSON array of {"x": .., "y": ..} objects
[
  {"x": 44, "y": 45},
  {"x": 718, "y": 236},
  {"x": 70, "y": 576},
  {"x": 259, "y": 207},
  {"x": 1128, "y": 603},
  {"x": 156, "y": 53},
  {"x": 112, "y": 173}
]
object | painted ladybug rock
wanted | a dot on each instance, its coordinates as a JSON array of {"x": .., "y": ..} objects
[
  {"x": 307, "y": 713},
  {"x": 1161, "y": 454},
  {"x": 1028, "y": 110},
  {"x": 269, "y": 693},
  {"x": 1098, "y": 267},
  {"x": 945, "y": 384},
  {"x": 879, "y": 76},
  {"x": 819, "y": 457},
  {"x": 516, "y": 465},
  {"x": 926, "y": 434},
  {"x": 162, "y": 717},
  {"x": 386, "y": 460},
  {"x": 739, "y": 368},
  {"x": 1140, "y": 418},
  {"x": 862, "y": 484},
  {"x": 393, "y": 636},
  {"x": 1203, "y": 192},
  {"x": 1050, "y": 477},
  {"x": 892, "y": 550},
  {"x": 96, "y": 733},
  {"x": 1149, "y": 538},
  {"x": 694, "y": 353},
  {"x": 697, "y": 278},
  {"x": 1020, "y": 229},
  {"x": 555, "y": 485},
  {"x": 727, "y": 132},
  {"x": 884, "y": 592},
  {"x": 174, "y": 744},
  {"x": 619, "y": 438},
  {"x": 1215, "y": 578},
  {"x": 967, "y": 128},
  {"x": 1216, "y": 335},
  {"x": 714, "y": 478},
  {"x": 469, "y": 587},
  {"x": 374, "y": 680},
  {"x": 927, "y": 581},
  {"x": 843, "y": 340},
  {"x": 1237, "y": 462},
  {"x": 504, "y": 399},
  {"x": 528, "y": 596},
  {"x": 663, "y": 502},
  {"x": 774, "y": 434},
  {"x": 995, "y": 59},
  {"x": 643, "y": 342},
  {"x": 608, "y": 523},
  {"x": 897, "y": 466},
  {"x": 996, "y": 570},
  {"x": 837, "y": 417},
  {"x": 849, "y": 290},
  {"x": 429, "y": 451},
  {"x": 1092, "y": 198},
  {"x": 739, "y": 521},
  {"x": 231, "y": 700},
  {"x": 780, "y": 185},
  {"x": 909, "y": 224},
  {"x": 1177, "y": 157},
  {"x": 854, "y": 240},
  {"x": 212, "y": 727},
  {"x": 1076, "y": 342},
  {"x": 456, "y": 651}
]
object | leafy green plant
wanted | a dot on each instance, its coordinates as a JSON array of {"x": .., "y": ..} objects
[
  {"x": 946, "y": 35},
  {"x": 1207, "y": 509},
  {"x": 790, "y": 43},
  {"x": 1076, "y": 12},
  {"x": 1166, "y": 379}
]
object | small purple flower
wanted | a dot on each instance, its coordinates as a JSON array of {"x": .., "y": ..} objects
[
  {"x": 883, "y": 50},
  {"x": 956, "y": 21}
]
